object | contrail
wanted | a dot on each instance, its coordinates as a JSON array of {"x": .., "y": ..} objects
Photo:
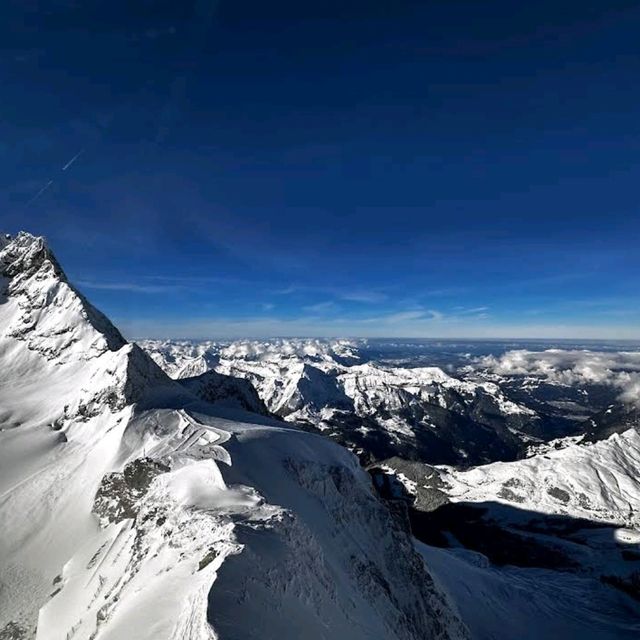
[
  {"x": 66, "y": 166},
  {"x": 50, "y": 182},
  {"x": 46, "y": 186}
]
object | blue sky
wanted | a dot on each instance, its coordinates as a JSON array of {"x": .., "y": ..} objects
[{"x": 369, "y": 168}]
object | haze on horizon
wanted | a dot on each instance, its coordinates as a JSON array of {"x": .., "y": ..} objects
[{"x": 371, "y": 169}]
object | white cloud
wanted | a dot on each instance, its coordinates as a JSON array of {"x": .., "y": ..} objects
[
  {"x": 620, "y": 369},
  {"x": 435, "y": 315}
]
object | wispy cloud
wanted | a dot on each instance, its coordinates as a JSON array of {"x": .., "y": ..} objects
[
  {"x": 133, "y": 287},
  {"x": 196, "y": 281},
  {"x": 474, "y": 310},
  {"x": 161, "y": 283},
  {"x": 412, "y": 316},
  {"x": 404, "y": 316},
  {"x": 321, "y": 307},
  {"x": 468, "y": 313},
  {"x": 367, "y": 297},
  {"x": 285, "y": 291},
  {"x": 446, "y": 291}
]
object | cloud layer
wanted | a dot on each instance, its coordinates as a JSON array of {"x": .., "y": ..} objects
[{"x": 620, "y": 369}]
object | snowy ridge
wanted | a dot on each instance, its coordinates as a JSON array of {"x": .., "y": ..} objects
[
  {"x": 68, "y": 382},
  {"x": 542, "y": 547},
  {"x": 54, "y": 343},
  {"x": 161, "y": 546},
  {"x": 131, "y": 509},
  {"x": 594, "y": 481}
]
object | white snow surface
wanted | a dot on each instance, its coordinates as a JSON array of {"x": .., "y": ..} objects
[
  {"x": 129, "y": 509},
  {"x": 595, "y": 481},
  {"x": 530, "y": 604}
]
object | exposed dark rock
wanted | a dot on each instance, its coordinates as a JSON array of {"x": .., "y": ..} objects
[
  {"x": 216, "y": 387},
  {"x": 207, "y": 559},
  {"x": 616, "y": 418},
  {"x": 13, "y": 631},
  {"x": 120, "y": 492},
  {"x": 559, "y": 494}
]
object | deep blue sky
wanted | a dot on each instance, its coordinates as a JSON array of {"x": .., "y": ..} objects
[{"x": 334, "y": 168}]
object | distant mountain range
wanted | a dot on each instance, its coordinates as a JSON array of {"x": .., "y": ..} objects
[{"x": 476, "y": 414}]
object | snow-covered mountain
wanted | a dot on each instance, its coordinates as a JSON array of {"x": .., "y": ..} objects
[
  {"x": 377, "y": 410},
  {"x": 132, "y": 507},
  {"x": 567, "y": 517}
]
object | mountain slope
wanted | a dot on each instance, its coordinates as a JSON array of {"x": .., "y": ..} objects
[
  {"x": 129, "y": 508},
  {"x": 546, "y": 546},
  {"x": 594, "y": 481}
]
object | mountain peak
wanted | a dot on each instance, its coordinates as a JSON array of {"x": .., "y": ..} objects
[
  {"x": 47, "y": 324},
  {"x": 45, "y": 309},
  {"x": 25, "y": 254}
]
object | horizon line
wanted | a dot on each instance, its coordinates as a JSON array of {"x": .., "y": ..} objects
[{"x": 378, "y": 338}]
